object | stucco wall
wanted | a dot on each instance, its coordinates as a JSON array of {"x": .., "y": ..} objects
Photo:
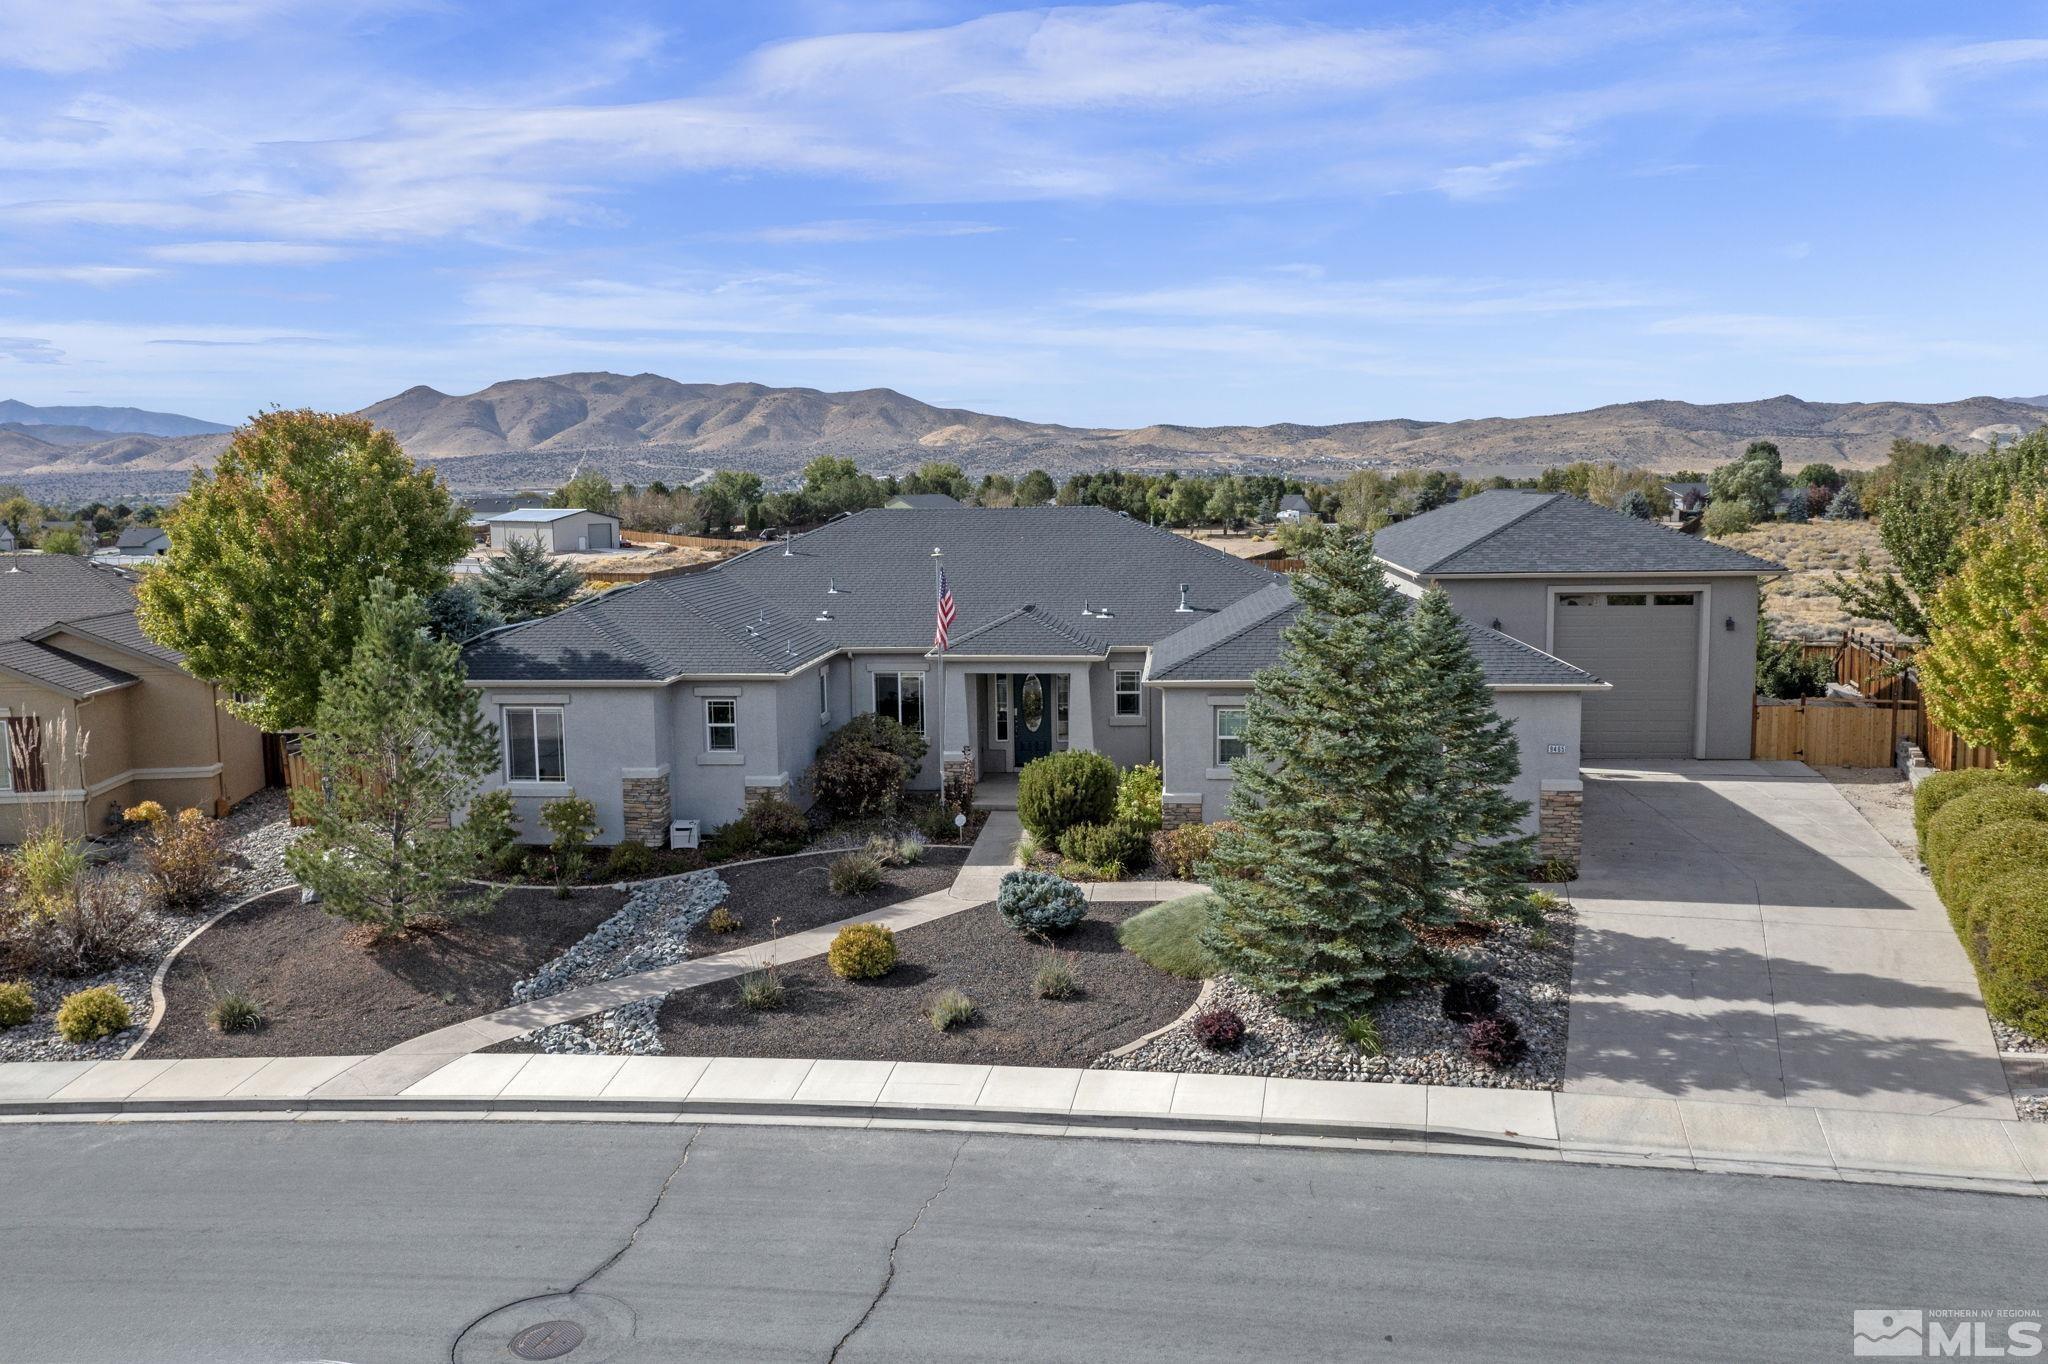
[
  {"x": 1126, "y": 740},
  {"x": 604, "y": 732},
  {"x": 863, "y": 668},
  {"x": 1522, "y": 606},
  {"x": 1542, "y": 720},
  {"x": 1187, "y": 745},
  {"x": 712, "y": 787}
]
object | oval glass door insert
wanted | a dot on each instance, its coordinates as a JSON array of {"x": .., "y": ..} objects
[{"x": 1031, "y": 703}]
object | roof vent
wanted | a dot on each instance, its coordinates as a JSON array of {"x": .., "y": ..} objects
[
  {"x": 825, "y": 613},
  {"x": 1183, "y": 609},
  {"x": 832, "y": 587}
]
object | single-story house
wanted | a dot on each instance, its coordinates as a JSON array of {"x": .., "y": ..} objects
[
  {"x": 143, "y": 541},
  {"x": 1077, "y": 627},
  {"x": 921, "y": 501},
  {"x": 1688, "y": 500},
  {"x": 6, "y": 538},
  {"x": 1669, "y": 620},
  {"x": 558, "y": 530},
  {"x": 99, "y": 716},
  {"x": 1295, "y": 507}
]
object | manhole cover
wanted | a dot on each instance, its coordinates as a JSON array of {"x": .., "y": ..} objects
[{"x": 547, "y": 1340}]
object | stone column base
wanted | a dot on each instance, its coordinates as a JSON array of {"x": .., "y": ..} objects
[
  {"x": 1560, "y": 810},
  {"x": 956, "y": 783},
  {"x": 646, "y": 803},
  {"x": 1180, "y": 810}
]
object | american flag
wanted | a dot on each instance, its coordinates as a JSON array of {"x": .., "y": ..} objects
[{"x": 947, "y": 611}]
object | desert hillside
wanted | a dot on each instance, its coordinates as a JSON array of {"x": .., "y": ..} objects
[{"x": 1798, "y": 603}]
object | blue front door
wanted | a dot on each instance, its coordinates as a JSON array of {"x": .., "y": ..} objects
[{"x": 1034, "y": 718}]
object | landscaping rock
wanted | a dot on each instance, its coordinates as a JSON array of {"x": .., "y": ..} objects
[
  {"x": 1421, "y": 1046},
  {"x": 652, "y": 930},
  {"x": 625, "y": 1031}
]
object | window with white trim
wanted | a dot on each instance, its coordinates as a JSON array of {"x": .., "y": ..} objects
[
  {"x": 1062, "y": 688},
  {"x": 1002, "y": 704},
  {"x": 533, "y": 744},
  {"x": 825, "y": 694},
  {"x": 900, "y": 696},
  {"x": 1229, "y": 734},
  {"x": 721, "y": 724},
  {"x": 1130, "y": 698}
]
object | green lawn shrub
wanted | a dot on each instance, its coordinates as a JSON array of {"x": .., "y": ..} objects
[
  {"x": 89, "y": 1015},
  {"x": 862, "y": 952},
  {"x": 1060, "y": 790},
  {"x": 1941, "y": 788},
  {"x": 1039, "y": 903},
  {"x": 1966, "y": 814}
]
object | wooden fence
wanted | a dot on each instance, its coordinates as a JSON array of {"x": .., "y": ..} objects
[
  {"x": 1882, "y": 671},
  {"x": 1831, "y": 733},
  {"x": 659, "y": 537},
  {"x": 298, "y": 774}
]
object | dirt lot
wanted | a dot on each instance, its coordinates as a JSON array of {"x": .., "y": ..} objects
[{"x": 1798, "y": 602}]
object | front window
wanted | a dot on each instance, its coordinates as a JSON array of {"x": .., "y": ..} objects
[
  {"x": 1129, "y": 699},
  {"x": 1229, "y": 735},
  {"x": 1060, "y": 689},
  {"x": 1002, "y": 691},
  {"x": 721, "y": 725},
  {"x": 533, "y": 744},
  {"x": 900, "y": 696}
]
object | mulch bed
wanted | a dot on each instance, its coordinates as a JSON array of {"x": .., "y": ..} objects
[
  {"x": 322, "y": 995},
  {"x": 796, "y": 891},
  {"x": 973, "y": 951}
]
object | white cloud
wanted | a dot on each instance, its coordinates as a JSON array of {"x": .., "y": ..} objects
[
  {"x": 98, "y": 276},
  {"x": 247, "y": 253},
  {"x": 59, "y": 37},
  {"x": 29, "y": 350},
  {"x": 836, "y": 230}
]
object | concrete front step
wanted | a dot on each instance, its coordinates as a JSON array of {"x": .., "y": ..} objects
[{"x": 1963, "y": 1152}]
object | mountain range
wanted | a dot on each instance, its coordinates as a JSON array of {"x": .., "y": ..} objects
[{"x": 523, "y": 432}]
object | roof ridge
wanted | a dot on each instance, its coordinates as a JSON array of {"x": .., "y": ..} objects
[
  {"x": 1538, "y": 501},
  {"x": 1281, "y": 604}
]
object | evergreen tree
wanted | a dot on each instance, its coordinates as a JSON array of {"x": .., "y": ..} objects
[
  {"x": 1338, "y": 801},
  {"x": 1488, "y": 855},
  {"x": 1635, "y": 502},
  {"x": 1844, "y": 506},
  {"x": 401, "y": 745},
  {"x": 525, "y": 582},
  {"x": 456, "y": 612}
]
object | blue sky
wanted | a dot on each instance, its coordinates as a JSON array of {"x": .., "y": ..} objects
[{"x": 1099, "y": 214}]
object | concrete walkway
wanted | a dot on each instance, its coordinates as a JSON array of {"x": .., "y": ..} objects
[
  {"x": 1746, "y": 936},
  {"x": 1784, "y": 1139},
  {"x": 991, "y": 856}
]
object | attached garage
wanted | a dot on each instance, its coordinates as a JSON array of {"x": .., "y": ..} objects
[{"x": 1647, "y": 646}]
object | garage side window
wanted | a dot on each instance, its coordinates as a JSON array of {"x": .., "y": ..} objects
[
  {"x": 533, "y": 744},
  {"x": 721, "y": 725},
  {"x": 1229, "y": 734}
]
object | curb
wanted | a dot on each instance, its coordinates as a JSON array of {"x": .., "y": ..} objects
[{"x": 158, "y": 1005}]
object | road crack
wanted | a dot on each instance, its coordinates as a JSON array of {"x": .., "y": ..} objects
[
  {"x": 633, "y": 1237},
  {"x": 889, "y": 1275}
]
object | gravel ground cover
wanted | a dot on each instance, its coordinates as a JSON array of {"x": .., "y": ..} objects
[
  {"x": 1420, "y": 1045},
  {"x": 975, "y": 952},
  {"x": 794, "y": 890},
  {"x": 256, "y": 835},
  {"x": 325, "y": 994}
]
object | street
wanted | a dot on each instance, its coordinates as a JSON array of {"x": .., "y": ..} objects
[{"x": 382, "y": 1241}]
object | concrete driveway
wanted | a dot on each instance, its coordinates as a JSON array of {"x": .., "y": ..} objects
[{"x": 1746, "y": 935}]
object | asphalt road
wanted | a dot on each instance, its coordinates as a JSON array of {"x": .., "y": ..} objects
[{"x": 378, "y": 1241}]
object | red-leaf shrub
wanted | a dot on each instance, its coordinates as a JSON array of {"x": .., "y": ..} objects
[
  {"x": 1496, "y": 1041},
  {"x": 1219, "y": 1029}
]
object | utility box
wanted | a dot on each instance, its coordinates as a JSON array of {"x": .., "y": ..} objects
[{"x": 682, "y": 833}]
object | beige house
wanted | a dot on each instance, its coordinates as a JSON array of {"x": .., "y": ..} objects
[{"x": 98, "y": 716}]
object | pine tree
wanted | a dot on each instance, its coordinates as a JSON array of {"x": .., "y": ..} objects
[
  {"x": 1338, "y": 801},
  {"x": 525, "y": 582},
  {"x": 401, "y": 745},
  {"x": 1488, "y": 855}
]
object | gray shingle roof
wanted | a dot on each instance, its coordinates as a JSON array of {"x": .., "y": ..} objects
[
  {"x": 997, "y": 561},
  {"x": 66, "y": 672},
  {"x": 1506, "y": 531},
  {"x": 1027, "y": 631},
  {"x": 139, "y": 537},
  {"x": 921, "y": 501},
  {"x": 1233, "y": 644}
]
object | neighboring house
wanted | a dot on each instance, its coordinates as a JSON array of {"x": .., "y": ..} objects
[
  {"x": 1295, "y": 507},
  {"x": 1078, "y": 628},
  {"x": 1668, "y": 619},
  {"x": 99, "y": 716},
  {"x": 1688, "y": 500},
  {"x": 921, "y": 501},
  {"x": 143, "y": 542},
  {"x": 558, "y": 530},
  {"x": 6, "y": 538}
]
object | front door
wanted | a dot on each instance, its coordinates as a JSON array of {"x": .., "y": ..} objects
[{"x": 1033, "y": 723}]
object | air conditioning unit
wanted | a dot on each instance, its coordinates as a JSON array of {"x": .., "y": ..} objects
[{"x": 682, "y": 833}]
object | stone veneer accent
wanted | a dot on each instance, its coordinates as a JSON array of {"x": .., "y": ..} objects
[
  {"x": 956, "y": 782},
  {"x": 1179, "y": 812},
  {"x": 1559, "y": 812},
  {"x": 647, "y": 807}
]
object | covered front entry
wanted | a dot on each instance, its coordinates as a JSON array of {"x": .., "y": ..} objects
[
  {"x": 1647, "y": 645},
  {"x": 1034, "y": 720}
]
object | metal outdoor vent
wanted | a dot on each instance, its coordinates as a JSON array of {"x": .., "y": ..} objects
[{"x": 1183, "y": 608}]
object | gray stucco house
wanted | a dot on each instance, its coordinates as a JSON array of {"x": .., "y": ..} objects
[
  {"x": 1078, "y": 627},
  {"x": 1667, "y": 619}
]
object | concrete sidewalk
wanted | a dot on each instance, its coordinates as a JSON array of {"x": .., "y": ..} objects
[{"x": 2008, "y": 1157}]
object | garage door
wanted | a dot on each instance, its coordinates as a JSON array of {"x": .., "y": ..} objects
[{"x": 1647, "y": 645}]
